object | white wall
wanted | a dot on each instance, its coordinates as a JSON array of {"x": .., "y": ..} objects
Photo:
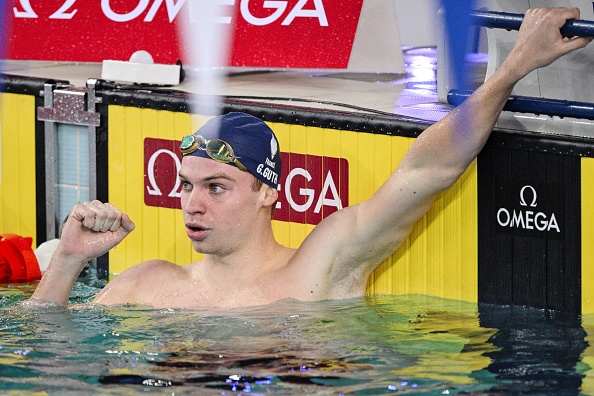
[{"x": 417, "y": 20}]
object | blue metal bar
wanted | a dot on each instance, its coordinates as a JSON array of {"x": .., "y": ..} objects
[
  {"x": 538, "y": 106},
  {"x": 3, "y": 35},
  {"x": 3, "y": 19},
  {"x": 457, "y": 25},
  {"x": 503, "y": 20}
]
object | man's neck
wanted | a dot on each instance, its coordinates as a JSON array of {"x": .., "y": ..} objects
[{"x": 256, "y": 255}]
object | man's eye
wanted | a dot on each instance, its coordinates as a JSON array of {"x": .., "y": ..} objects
[
  {"x": 216, "y": 188},
  {"x": 186, "y": 185}
]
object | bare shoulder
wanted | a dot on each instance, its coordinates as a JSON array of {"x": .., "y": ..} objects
[
  {"x": 135, "y": 285},
  {"x": 154, "y": 265},
  {"x": 146, "y": 270}
]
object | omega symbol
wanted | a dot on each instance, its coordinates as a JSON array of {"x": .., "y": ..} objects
[{"x": 522, "y": 198}]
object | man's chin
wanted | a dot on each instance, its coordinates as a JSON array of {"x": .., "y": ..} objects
[{"x": 203, "y": 248}]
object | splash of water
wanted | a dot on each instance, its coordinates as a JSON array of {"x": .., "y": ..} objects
[{"x": 206, "y": 33}]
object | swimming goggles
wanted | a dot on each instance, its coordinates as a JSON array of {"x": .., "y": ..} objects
[{"x": 217, "y": 149}]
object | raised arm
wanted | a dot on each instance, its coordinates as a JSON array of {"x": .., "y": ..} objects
[
  {"x": 368, "y": 233},
  {"x": 92, "y": 229},
  {"x": 444, "y": 151}
]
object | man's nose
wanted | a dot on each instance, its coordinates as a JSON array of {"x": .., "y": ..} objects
[{"x": 195, "y": 202}]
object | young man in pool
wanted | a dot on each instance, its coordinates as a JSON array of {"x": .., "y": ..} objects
[{"x": 227, "y": 199}]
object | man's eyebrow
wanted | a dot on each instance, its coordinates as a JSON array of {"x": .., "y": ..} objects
[
  {"x": 210, "y": 177},
  {"x": 219, "y": 176}
]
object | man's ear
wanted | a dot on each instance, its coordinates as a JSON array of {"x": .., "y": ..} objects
[{"x": 270, "y": 195}]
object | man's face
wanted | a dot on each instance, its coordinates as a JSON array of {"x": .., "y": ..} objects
[{"x": 218, "y": 204}]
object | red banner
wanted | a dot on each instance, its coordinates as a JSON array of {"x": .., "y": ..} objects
[
  {"x": 274, "y": 34},
  {"x": 311, "y": 187}
]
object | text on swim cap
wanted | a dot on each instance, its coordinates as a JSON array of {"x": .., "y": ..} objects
[{"x": 267, "y": 173}]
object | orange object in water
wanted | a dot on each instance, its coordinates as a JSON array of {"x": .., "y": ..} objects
[{"x": 17, "y": 260}]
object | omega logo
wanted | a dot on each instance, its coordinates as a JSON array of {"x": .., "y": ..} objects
[
  {"x": 68, "y": 10},
  {"x": 153, "y": 188},
  {"x": 527, "y": 219},
  {"x": 314, "y": 186},
  {"x": 277, "y": 7}
]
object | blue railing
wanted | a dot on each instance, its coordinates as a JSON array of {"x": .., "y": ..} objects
[
  {"x": 503, "y": 20},
  {"x": 538, "y": 106},
  {"x": 525, "y": 104}
]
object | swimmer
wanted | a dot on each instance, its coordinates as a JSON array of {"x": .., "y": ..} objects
[{"x": 229, "y": 192}]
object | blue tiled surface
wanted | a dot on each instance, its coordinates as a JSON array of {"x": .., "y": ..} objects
[{"x": 73, "y": 168}]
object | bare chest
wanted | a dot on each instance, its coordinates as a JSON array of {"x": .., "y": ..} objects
[{"x": 231, "y": 291}]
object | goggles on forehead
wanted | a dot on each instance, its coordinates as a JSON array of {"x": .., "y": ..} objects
[{"x": 217, "y": 149}]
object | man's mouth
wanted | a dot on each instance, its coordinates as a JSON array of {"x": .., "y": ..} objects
[{"x": 195, "y": 232}]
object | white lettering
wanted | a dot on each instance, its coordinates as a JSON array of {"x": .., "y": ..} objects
[
  {"x": 503, "y": 223},
  {"x": 172, "y": 9},
  {"x": 299, "y": 12},
  {"x": 270, "y": 163},
  {"x": 542, "y": 224},
  {"x": 280, "y": 7},
  {"x": 529, "y": 220},
  {"x": 334, "y": 201},
  {"x": 268, "y": 174},
  {"x": 155, "y": 190},
  {"x": 109, "y": 13},
  {"x": 306, "y": 192},
  {"x": 517, "y": 220},
  {"x": 61, "y": 13},
  {"x": 27, "y": 10},
  {"x": 279, "y": 204},
  {"x": 329, "y": 195},
  {"x": 553, "y": 223},
  {"x": 196, "y": 8}
]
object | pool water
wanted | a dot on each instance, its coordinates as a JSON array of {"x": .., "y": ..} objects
[{"x": 368, "y": 346}]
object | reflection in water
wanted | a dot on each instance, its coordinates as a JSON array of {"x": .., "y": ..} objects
[
  {"x": 399, "y": 344},
  {"x": 316, "y": 346},
  {"x": 449, "y": 345},
  {"x": 538, "y": 350}
]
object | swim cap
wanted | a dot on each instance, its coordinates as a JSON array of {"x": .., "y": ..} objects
[{"x": 253, "y": 143}]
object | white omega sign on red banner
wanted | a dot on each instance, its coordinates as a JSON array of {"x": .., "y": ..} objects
[
  {"x": 311, "y": 187},
  {"x": 266, "y": 33}
]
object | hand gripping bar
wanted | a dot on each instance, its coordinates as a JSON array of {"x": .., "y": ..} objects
[{"x": 504, "y": 20}]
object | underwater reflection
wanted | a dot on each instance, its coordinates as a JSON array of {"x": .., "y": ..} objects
[
  {"x": 261, "y": 349},
  {"x": 537, "y": 350},
  {"x": 375, "y": 345}
]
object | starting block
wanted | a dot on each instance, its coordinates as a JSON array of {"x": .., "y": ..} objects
[{"x": 18, "y": 262}]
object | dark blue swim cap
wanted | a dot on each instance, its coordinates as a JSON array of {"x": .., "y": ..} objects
[{"x": 253, "y": 143}]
